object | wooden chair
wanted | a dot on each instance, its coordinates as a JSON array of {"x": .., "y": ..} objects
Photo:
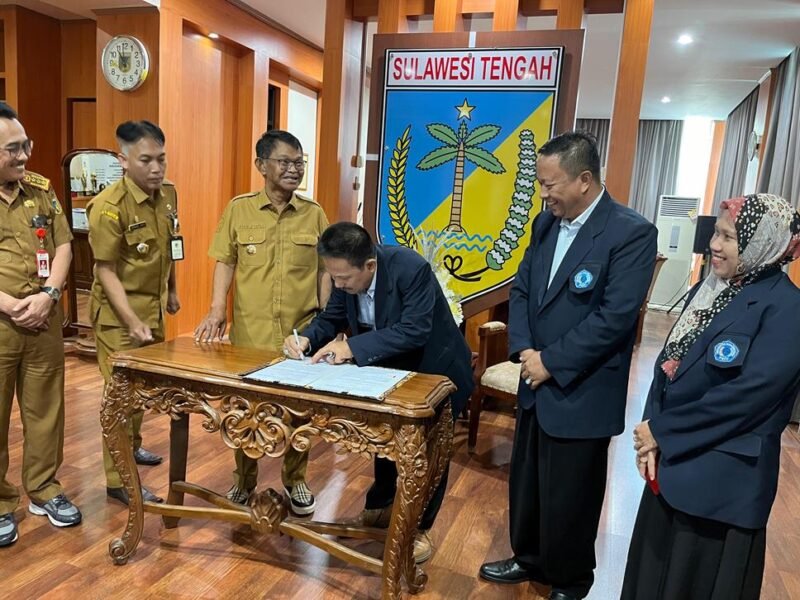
[
  {"x": 494, "y": 375},
  {"x": 660, "y": 260}
]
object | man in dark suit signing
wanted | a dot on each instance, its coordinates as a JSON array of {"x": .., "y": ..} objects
[
  {"x": 392, "y": 304},
  {"x": 573, "y": 310}
]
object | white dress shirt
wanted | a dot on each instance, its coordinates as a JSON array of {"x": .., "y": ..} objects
[
  {"x": 366, "y": 304},
  {"x": 567, "y": 232}
]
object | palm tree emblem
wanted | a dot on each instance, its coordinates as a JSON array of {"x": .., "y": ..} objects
[{"x": 462, "y": 145}]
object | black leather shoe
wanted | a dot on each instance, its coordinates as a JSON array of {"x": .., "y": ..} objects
[
  {"x": 121, "y": 494},
  {"x": 143, "y": 457},
  {"x": 557, "y": 595},
  {"x": 505, "y": 571}
]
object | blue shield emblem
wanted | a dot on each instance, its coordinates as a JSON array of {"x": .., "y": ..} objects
[
  {"x": 583, "y": 279},
  {"x": 726, "y": 351}
]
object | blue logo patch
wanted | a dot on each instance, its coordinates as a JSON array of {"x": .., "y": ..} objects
[
  {"x": 726, "y": 351},
  {"x": 583, "y": 279}
]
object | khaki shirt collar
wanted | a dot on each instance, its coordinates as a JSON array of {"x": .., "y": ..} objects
[
  {"x": 264, "y": 200},
  {"x": 14, "y": 193},
  {"x": 139, "y": 195}
]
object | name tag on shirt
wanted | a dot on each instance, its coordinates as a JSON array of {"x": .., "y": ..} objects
[{"x": 176, "y": 248}]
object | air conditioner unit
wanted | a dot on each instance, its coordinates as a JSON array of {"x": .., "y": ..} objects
[{"x": 676, "y": 221}]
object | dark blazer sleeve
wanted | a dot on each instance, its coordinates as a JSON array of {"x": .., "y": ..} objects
[
  {"x": 411, "y": 329},
  {"x": 330, "y": 322},
  {"x": 520, "y": 335},
  {"x": 737, "y": 406},
  {"x": 630, "y": 271}
]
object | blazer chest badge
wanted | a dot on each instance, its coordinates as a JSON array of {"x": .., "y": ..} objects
[
  {"x": 726, "y": 351},
  {"x": 583, "y": 279}
]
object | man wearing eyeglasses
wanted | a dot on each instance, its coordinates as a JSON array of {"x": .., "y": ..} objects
[
  {"x": 266, "y": 241},
  {"x": 35, "y": 254}
]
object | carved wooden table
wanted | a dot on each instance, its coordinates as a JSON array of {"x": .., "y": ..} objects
[{"x": 413, "y": 426}]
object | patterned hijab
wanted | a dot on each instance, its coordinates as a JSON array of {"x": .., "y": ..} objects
[{"x": 768, "y": 236}]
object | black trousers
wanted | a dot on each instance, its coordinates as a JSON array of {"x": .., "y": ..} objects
[
  {"x": 556, "y": 490},
  {"x": 381, "y": 493}
]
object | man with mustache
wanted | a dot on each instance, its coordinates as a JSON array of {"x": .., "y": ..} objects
[
  {"x": 266, "y": 240},
  {"x": 35, "y": 253},
  {"x": 132, "y": 226}
]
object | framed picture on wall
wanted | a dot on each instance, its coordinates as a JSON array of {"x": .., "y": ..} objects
[{"x": 304, "y": 182}]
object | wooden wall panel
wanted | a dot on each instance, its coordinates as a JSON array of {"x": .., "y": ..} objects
[
  {"x": 204, "y": 168},
  {"x": 303, "y": 61},
  {"x": 83, "y": 124},
  {"x": 570, "y": 14},
  {"x": 114, "y": 107},
  {"x": 39, "y": 88},
  {"x": 447, "y": 16},
  {"x": 506, "y": 15},
  {"x": 338, "y": 112},
  {"x": 79, "y": 58},
  {"x": 628, "y": 97}
]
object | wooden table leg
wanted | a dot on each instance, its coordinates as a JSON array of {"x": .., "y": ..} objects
[
  {"x": 118, "y": 404},
  {"x": 178, "y": 449}
]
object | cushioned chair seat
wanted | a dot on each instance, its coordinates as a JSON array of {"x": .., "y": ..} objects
[{"x": 503, "y": 376}]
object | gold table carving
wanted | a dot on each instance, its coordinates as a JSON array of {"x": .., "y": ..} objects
[{"x": 413, "y": 426}]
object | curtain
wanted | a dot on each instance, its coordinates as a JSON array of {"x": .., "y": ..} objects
[
  {"x": 599, "y": 128},
  {"x": 780, "y": 169},
  {"x": 655, "y": 169},
  {"x": 733, "y": 160}
]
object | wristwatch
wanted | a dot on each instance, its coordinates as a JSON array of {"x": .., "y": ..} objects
[{"x": 54, "y": 293}]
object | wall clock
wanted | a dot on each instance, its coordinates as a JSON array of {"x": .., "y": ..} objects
[{"x": 125, "y": 62}]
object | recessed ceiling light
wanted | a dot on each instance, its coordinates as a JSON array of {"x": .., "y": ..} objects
[
  {"x": 213, "y": 36},
  {"x": 685, "y": 39},
  {"x": 666, "y": 99}
]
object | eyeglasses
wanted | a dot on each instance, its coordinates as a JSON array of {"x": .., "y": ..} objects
[
  {"x": 299, "y": 164},
  {"x": 18, "y": 148}
]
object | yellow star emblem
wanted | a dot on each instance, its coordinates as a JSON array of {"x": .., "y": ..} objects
[{"x": 464, "y": 110}]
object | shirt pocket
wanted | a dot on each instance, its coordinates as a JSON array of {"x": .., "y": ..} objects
[
  {"x": 141, "y": 240},
  {"x": 251, "y": 245},
  {"x": 303, "y": 250},
  {"x": 728, "y": 350},
  {"x": 584, "y": 278}
]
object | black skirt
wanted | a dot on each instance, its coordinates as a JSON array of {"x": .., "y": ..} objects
[{"x": 675, "y": 556}]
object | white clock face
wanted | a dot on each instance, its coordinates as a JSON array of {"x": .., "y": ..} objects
[{"x": 125, "y": 62}]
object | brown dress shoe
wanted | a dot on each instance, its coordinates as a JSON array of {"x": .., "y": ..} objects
[
  {"x": 372, "y": 517},
  {"x": 423, "y": 547}
]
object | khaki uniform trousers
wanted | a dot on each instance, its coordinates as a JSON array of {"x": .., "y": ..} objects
[
  {"x": 293, "y": 469},
  {"x": 112, "y": 339},
  {"x": 32, "y": 364}
]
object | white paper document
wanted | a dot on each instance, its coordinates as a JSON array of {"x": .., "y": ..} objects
[{"x": 349, "y": 379}]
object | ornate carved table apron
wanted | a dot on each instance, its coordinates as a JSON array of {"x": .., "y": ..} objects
[{"x": 413, "y": 426}]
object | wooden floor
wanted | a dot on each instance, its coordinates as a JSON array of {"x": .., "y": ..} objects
[{"x": 217, "y": 560}]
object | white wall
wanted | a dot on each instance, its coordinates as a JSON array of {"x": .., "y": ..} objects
[{"x": 302, "y": 116}]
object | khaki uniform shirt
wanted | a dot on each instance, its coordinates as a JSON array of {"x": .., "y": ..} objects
[
  {"x": 18, "y": 241},
  {"x": 276, "y": 263},
  {"x": 132, "y": 231}
]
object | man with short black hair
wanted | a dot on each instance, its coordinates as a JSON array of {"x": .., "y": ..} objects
[
  {"x": 393, "y": 305},
  {"x": 35, "y": 253},
  {"x": 572, "y": 320},
  {"x": 266, "y": 241},
  {"x": 132, "y": 226}
]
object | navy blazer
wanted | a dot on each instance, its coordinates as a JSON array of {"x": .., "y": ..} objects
[
  {"x": 718, "y": 423},
  {"x": 584, "y": 323},
  {"x": 414, "y": 328}
]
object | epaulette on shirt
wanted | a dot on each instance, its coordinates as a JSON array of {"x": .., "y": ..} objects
[
  {"x": 36, "y": 180},
  {"x": 168, "y": 182},
  {"x": 247, "y": 195},
  {"x": 306, "y": 198}
]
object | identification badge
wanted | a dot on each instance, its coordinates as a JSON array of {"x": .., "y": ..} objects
[
  {"x": 42, "y": 263},
  {"x": 176, "y": 248}
]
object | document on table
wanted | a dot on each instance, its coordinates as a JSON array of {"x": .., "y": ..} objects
[{"x": 349, "y": 379}]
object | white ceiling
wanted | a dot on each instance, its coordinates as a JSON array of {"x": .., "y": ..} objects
[{"x": 736, "y": 43}]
